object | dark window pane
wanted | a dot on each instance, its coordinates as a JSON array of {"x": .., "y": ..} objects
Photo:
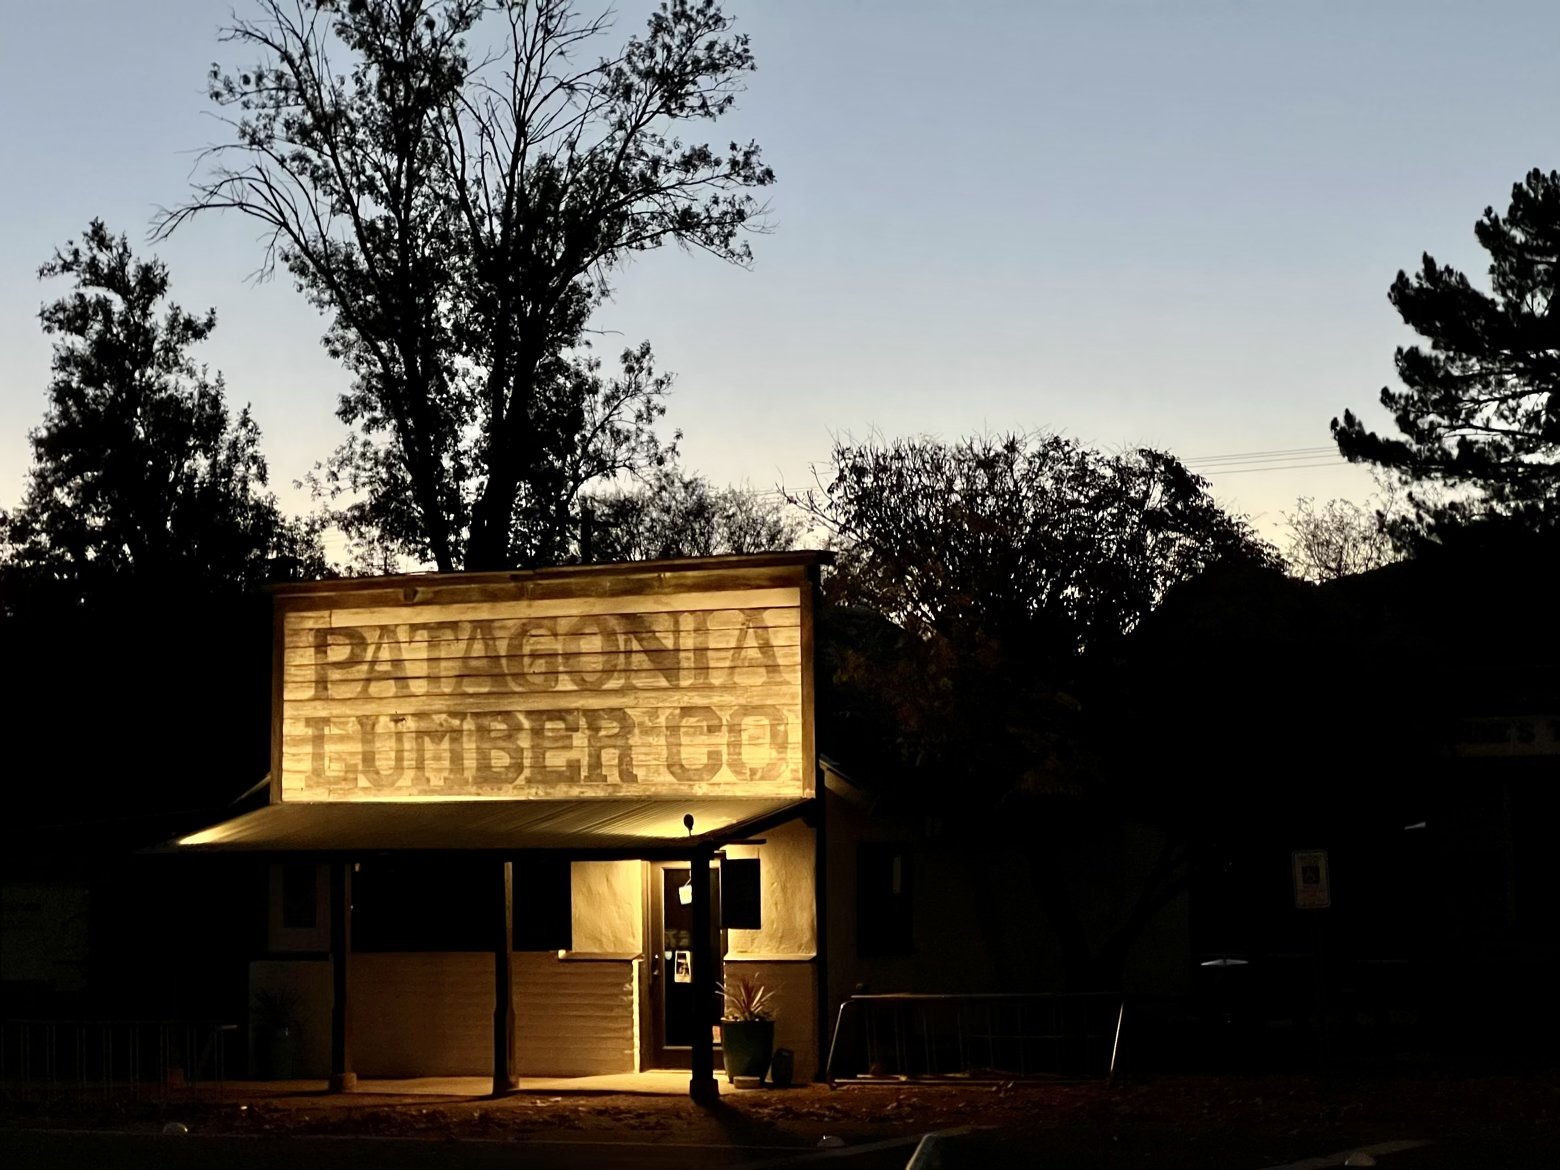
[
  {"x": 300, "y": 896},
  {"x": 740, "y": 903},
  {"x": 424, "y": 905},
  {"x": 544, "y": 904},
  {"x": 883, "y": 899}
]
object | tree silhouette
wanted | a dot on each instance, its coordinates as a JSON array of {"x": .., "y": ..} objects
[
  {"x": 979, "y": 585},
  {"x": 1340, "y": 538},
  {"x": 457, "y": 215},
  {"x": 675, "y": 514},
  {"x": 141, "y": 478},
  {"x": 1480, "y": 408}
]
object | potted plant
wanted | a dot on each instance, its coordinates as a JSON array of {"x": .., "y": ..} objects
[
  {"x": 275, "y": 1015},
  {"x": 747, "y": 1028}
]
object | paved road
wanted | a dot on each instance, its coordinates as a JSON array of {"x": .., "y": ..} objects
[{"x": 78, "y": 1149}]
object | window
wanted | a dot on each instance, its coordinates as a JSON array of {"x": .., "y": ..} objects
[
  {"x": 741, "y": 904},
  {"x": 300, "y": 895},
  {"x": 449, "y": 905},
  {"x": 883, "y": 899},
  {"x": 544, "y": 904}
]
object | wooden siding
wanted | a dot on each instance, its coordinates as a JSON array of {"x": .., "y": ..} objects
[
  {"x": 680, "y": 684},
  {"x": 573, "y": 1017},
  {"x": 426, "y": 1014}
]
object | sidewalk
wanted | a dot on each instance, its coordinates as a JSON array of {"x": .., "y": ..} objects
[{"x": 661, "y": 1083}]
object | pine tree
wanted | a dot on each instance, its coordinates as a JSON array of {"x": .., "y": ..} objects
[{"x": 1479, "y": 412}]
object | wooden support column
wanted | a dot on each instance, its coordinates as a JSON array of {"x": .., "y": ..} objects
[
  {"x": 342, "y": 1078},
  {"x": 702, "y": 1086},
  {"x": 504, "y": 1079}
]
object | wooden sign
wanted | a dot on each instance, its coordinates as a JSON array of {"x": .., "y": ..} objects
[{"x": 654, "y": 691}]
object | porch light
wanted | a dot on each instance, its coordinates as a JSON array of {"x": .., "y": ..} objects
[{"x": 685, "y": 891}]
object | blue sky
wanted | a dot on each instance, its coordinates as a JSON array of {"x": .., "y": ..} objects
[{"x": 1170, "y": 224}]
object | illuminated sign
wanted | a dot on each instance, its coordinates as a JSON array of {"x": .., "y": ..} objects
[
  {"x": 689, "y": 693},
  {"x": 1313, "y": 885},
  {"x": 1528, "y": 735}
]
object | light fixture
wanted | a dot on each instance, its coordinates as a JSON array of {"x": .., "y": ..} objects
[{"x": 685, "y": 891}]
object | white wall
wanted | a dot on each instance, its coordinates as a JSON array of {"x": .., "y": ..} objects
[
  {"x": 788, "y": 907},
  {"x": 608, "y": 907}
]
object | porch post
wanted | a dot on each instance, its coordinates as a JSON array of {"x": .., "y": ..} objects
[
  {"x": 504, "y": 1079},
  {"x": 342, "y": 1078},
  {"x": 702, "y": 1086}
]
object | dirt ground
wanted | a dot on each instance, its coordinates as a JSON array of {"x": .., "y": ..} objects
[{"x": 1245, "y": 1121}]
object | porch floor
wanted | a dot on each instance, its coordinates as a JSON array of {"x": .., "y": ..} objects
[{"x": 657, "y": 1083}]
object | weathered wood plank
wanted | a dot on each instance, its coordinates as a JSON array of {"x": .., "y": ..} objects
[
  {"x": 628, "y": 582},
  {"x": 779, "y": 598},
  {"x": 295, "y": 788},
  {"x": 473, "y": 679},
  {"x": 300, "y": 652},
  {"x": 785, "y": 694}
]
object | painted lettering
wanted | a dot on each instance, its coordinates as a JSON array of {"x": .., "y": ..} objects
[
  {"x": 591, "y": 634},
  {"x": 532, "y": 655},
  {"x": 708, "y": 719},
  {"x": 609, "y": 729},
  {"x": 754, "y": 648},
  {"x": 497, "y": 734},
  {"x": 445, "y": 730},
  {"x": 666, "y": 660},
  {"x": 698, "y": 641},
  {"x": 319, "y": 727},
  {"x": 385, "y": 664},
  {"x": 544, "y": 741},
  {"x": 438, "y": 665},
  {"x": 779, "y": 736},
  {"x": 368, "y": 751},
  {"x": 482, "y": 668},
  {"x": 355, "y": 643}
]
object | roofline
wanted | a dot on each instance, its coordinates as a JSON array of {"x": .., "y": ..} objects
[{"x": 799, "y": 558}]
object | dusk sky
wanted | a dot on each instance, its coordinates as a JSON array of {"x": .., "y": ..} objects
[{"x": 1165, "y": 224}]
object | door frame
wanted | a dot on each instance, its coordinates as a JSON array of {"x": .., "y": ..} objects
[{"x": 657, "y": 1053}]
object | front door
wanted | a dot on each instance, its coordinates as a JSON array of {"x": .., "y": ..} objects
[{"x": 671, "y": 962}]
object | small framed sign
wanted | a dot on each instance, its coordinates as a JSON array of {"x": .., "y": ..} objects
[
  {"x": 1313, "y": 889},
  {"x": 682, "y": 966}
]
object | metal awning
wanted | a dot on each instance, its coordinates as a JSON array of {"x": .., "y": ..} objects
[{"x": 599, "y": 828}]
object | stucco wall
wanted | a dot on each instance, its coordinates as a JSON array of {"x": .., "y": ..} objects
[
  {"x": 608, "y": 908},
  {"x": 788, "y": 907}
]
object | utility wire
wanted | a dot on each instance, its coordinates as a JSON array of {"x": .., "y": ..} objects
[
  {"x": 1284, "y": 467},
  {"x": 1244, "y": 455}
]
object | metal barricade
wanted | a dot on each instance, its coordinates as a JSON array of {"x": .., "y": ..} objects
[
  {"x": 996, "y": 1036},
  {"x": 135, "y": 1058}
]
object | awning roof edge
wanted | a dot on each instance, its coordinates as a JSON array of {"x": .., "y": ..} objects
[{"x": 595, "y": 828}]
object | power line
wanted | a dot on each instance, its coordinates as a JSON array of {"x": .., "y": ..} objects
[
  {"x": 1284, "y": 467},
  {"x": 1243, "y": 456}
]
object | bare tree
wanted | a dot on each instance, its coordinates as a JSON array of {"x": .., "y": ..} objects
[
  {"x": 1341, "y": 538},
  {"x": 457, "y": 216},
  {"x": 674, "y": 514}
]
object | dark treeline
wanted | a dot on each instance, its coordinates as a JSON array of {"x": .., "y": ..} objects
[{"x": 1024, "y": 639}]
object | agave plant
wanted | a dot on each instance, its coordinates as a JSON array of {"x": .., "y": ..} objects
[{"x": 747, "y": 999}]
